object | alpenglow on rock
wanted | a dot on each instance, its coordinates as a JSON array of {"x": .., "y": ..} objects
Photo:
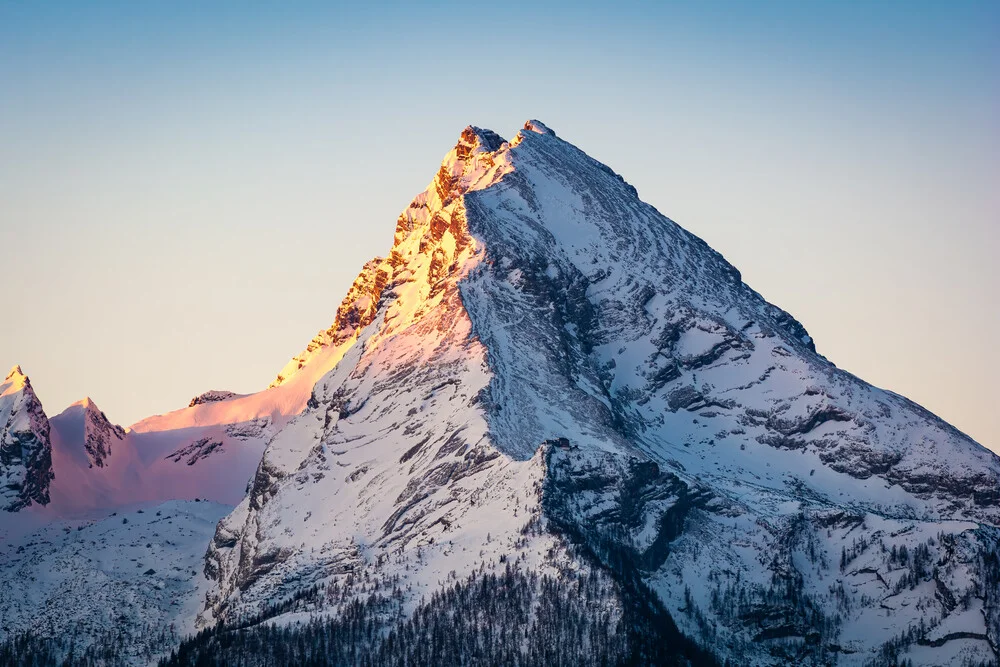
[{"x": 549, "y": 387}]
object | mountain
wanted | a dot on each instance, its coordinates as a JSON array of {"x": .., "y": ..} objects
[
  {"x": 549, "y": 427},
  {"x": 83, "y": 422},
  {"x": 547, "y": 375},
  {"x": 25, "y": 449}
]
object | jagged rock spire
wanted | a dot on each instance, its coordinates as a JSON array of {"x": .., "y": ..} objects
[{"x": 25, "y": 444}]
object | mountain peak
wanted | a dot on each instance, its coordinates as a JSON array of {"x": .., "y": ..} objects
[
  {"x": 15, "y": 381},
  {"x": 86, "y": 403},
  {"x": 542, "y": 351},
  {"x": 479, "y": 139},
  {"x": 477, "y": 160},
  {"x": 98, "y": 432},
  {"x": 538, "y": 127},
  {"x": 15, "y": 374},
  {"x": 25, "y": 449}
]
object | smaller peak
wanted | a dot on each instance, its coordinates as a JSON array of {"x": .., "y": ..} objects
[
  {"x": 477, "y": 137},
  {"x": 16, "y": 381},
  {"x": 86, "y": 403},
  {"x": 538, "y": 127},
  {"x": 212, "y": 396}
]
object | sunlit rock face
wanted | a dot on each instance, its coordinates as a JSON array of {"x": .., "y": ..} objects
[
  {"x": 546, "y": 373},
  {"x": 25, "y": 449}
]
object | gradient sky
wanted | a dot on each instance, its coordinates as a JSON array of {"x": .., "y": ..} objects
[{"x": 186, "y": 193}]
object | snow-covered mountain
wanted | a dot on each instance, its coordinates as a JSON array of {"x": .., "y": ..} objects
[
  {"x": 545, "y": 366},
  {"x": 83, "y": 422},
  {"x": 553, "y": 427},
  {"x": 25, "y": 449}
]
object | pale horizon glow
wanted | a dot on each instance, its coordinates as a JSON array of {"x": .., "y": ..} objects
[{"x": 187, "y": 194}]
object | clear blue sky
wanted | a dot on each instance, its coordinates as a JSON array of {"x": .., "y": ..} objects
[{"x": 187, "y": 192}]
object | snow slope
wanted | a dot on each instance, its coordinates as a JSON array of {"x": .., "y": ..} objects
[
  {"x": 544, "y": 358},
  {"x": 133, "y": 579}
]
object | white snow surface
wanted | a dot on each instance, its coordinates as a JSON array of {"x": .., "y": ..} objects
[{"x": 139, "y": 573}]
